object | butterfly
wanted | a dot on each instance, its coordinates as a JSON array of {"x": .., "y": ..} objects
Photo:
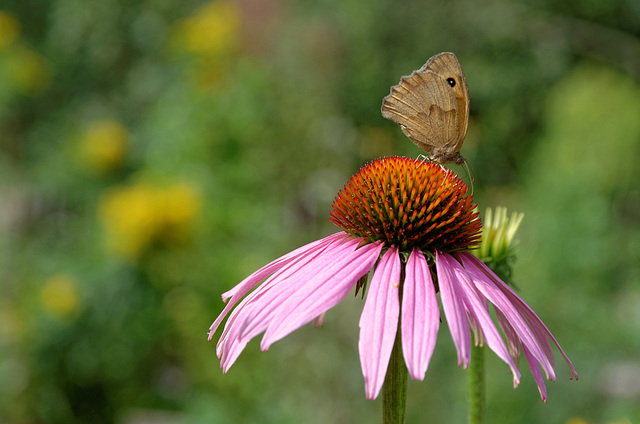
[{"x": 432, "y": 107}]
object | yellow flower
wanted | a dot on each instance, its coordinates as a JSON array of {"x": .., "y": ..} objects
[
  {"x": 129, "y": 218},
  {"x": 9, "y": 29},
  {"x": 180, "y": 205},
  {"x": 575, "y": 420},
  {"x": 59, "y": 296},
  {"x": 212, "y": 37},
  {"x": 137, "y": 216},
  {"x": 104, "y": 145},
  {"x": 28, "y": 70},
  {"x": 212, "y": 30}
]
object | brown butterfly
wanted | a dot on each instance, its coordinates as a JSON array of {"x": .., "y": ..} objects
[{"x": 432, "y": 107}]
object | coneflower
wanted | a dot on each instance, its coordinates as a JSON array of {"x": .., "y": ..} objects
[{"x": 410, "y": 223}]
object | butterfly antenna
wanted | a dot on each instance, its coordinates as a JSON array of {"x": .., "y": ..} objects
[{"x": 470, "y": 174}]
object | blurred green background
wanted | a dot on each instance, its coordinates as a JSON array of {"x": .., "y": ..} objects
[{"x": 154, "y": 153}]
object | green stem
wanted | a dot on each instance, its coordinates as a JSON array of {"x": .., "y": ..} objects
[
  {"x": 476, "y": 366},
  {"x": 476, "y": 386},
  {"x": 394, "y": 390}
]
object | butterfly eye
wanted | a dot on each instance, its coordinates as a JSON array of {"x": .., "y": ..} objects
[{"x": 452, "y": 82}]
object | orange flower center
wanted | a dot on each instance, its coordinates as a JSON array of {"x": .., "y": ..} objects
[{"x": 407, "y": 203}]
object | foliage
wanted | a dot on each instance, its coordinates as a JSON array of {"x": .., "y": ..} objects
[{"x": 153, "y": 153}]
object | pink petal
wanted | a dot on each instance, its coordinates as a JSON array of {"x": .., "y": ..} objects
[
  {"x": 230, "y": 355},
  {"x": 317, "y": 322},
  {"x": 533, "y": 321},
  {"x": 478, "y": 310},
  {"x": 493, "y": 292},
  {"x": 420, "y": 315},
  {"x": 535, "y": 371},
  {"x": 313, "y": 247},
  {"x": 453, "y": 306},
  {"x": 275, "y": 289},
  {"x": 379, "y": 322},
  {"x": 513, "y": 341},
  {"x": 263, "y": 304},
  {"x": 478, "y": 338},
  {"x": 324, "y": 288},
  {"x": 236, "y": 322},
  {"x": 248, "y": 283}
]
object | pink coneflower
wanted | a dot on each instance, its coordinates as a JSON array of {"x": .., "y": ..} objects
[{"x": 411, "y": 224}]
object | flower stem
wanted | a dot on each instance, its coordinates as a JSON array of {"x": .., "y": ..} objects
[
  {"x": 394, "y": 389},
  {"x": 476, "y": 365},
  {"x": 476, "y": 386}
]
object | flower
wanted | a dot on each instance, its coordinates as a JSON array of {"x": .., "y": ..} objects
[
  {"x": 139, "y": 215},
  {"x": 9, "y": 29},
  {"x": 498, "y": 233},
  {"x": 406, "y": 220},
  {"x": 211, "y": 36},
  {"x": 212, "y": 30},
  {"x": 27, "y": 71},
  {"x": 497, "y": 248},
  {"x": 104, "y": 145},
  {"x": 59, "y": 296}
]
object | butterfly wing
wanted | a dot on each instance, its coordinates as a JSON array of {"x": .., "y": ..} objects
[
  {"x": 432, "y": 107},
  {"x": 447, "y": 66},
  {"x": 426, "y": 108}
]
